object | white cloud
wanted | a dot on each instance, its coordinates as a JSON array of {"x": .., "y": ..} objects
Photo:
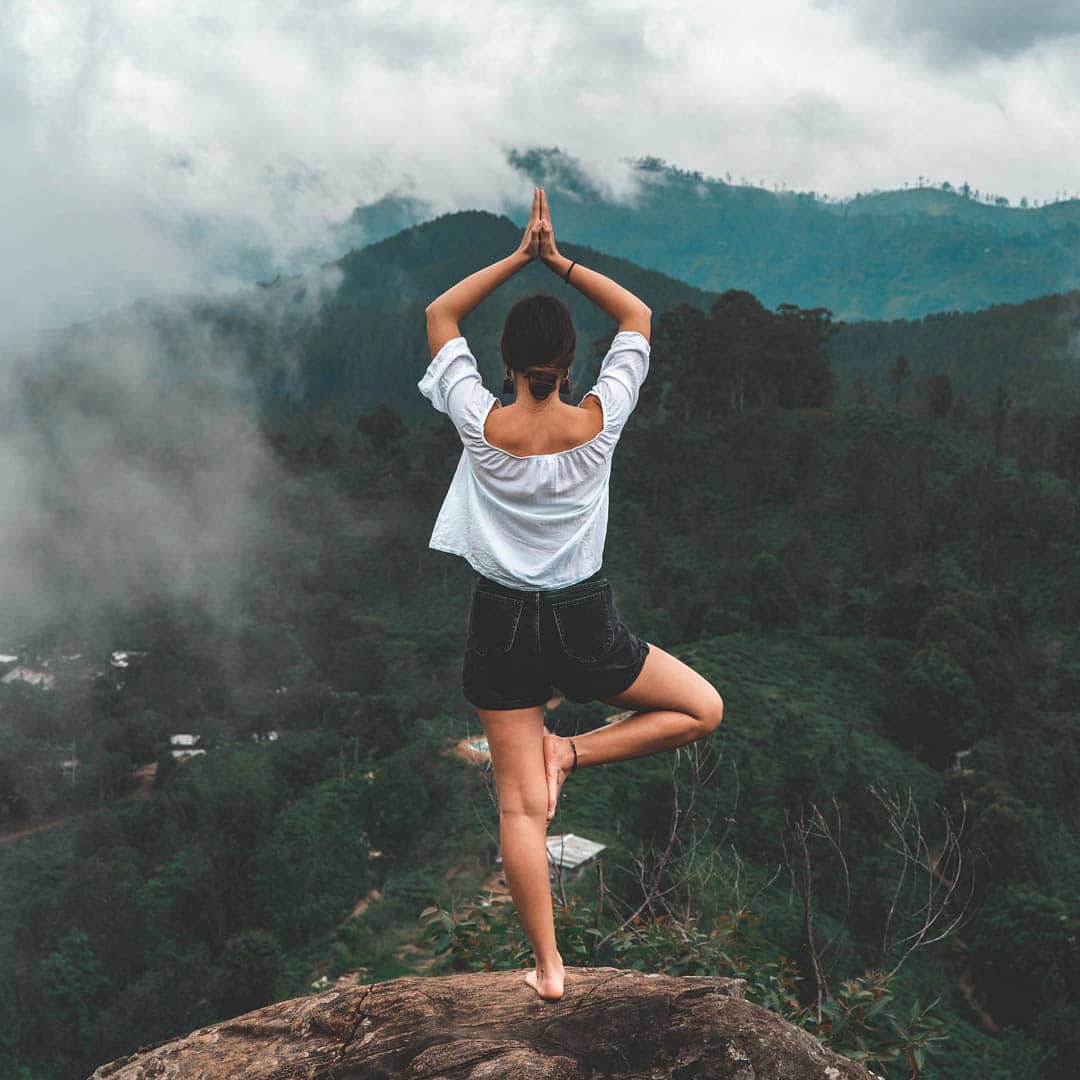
[
  {"x": 158, "y": 146},
  {"x": 964, "y": 29}
]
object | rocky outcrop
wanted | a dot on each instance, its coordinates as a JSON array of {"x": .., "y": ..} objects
[{"x": 487, "y": 1026}]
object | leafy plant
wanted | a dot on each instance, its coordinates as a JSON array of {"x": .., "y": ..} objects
[{"x": 863, "y": 1021}]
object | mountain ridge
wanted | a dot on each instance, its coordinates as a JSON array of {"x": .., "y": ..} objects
[{"x": 879, "y": 255}]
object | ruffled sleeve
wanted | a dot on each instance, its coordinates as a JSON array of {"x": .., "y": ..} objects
[
  {"x": 452, "y": 383},
  {"x": 622, "y": 372}
]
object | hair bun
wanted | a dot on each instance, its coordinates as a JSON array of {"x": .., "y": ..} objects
[{"x": 543, "y": 379}]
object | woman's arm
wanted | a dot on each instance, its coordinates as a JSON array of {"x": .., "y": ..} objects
[
  {"x": 446, "y": 311},
  {"x": 621, "y": 304}
]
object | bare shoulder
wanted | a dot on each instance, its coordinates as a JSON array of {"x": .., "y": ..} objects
[{"x": 590, "y": 403}]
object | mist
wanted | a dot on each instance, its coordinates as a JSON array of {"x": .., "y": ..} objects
[
  {"x": 136, "y": 465},
  {"x": 153, "y": 150}
]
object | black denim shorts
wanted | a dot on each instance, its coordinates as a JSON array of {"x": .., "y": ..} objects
[{"x": 522, "y": 644}]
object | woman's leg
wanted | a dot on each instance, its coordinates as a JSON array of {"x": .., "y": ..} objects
[
  {"x": 514, "y": 738},
  {"x": 676, "y": 706}
]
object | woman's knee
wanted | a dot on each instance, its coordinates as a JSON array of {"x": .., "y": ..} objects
[{"x": 711, "y": 712}]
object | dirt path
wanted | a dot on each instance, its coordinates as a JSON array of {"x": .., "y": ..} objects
[{"x": 145, "y": 775}]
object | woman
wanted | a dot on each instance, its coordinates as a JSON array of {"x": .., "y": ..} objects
[{"x": 527, "y": 508}]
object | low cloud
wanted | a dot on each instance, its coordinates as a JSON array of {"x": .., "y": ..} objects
[
  {"x": 153, "y": 149},
  {"x": 131, "y": 467},
  {"x": 136, "y": 466},
  {"x": 964, "y": 29}
]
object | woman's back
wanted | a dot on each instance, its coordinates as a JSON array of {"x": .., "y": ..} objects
[
  {"x": 512, "y": 429},
  {"x": 523, "y": 516}
]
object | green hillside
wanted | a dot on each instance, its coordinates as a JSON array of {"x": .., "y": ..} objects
[
  {"x": 885, "y": 592},
  {"x": 885, "y": 255},
  {"x": 344, "y": 339},
  {"x": 1033, "y": 348},
  {"x": 348, "y": 337}
]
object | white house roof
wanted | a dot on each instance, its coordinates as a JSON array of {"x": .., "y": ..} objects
[
  {"x": 183, "y": 740},
  {"x": 569, "y": 851},
  {"x": 122, "y": 657}
]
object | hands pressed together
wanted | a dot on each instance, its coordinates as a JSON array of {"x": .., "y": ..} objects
[
  {"x": 447, "y": 309},
  {"x": 539, "y": 238}
]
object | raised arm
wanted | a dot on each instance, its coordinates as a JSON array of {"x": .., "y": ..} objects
[
  {"x": 446, "y": 311},
  {"x": 621, "y": 304}
]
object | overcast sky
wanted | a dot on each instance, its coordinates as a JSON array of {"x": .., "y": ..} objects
[{"x": 148, "y": 146}]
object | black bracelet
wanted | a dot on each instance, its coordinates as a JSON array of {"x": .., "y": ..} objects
[{"x": 566, "y": 276}]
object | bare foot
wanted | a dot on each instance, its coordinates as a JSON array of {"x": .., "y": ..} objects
[
  {"x": 547, "y": 982},
  {"x": 558, "y": 760}
]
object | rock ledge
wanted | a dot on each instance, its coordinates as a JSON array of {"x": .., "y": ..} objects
[{"x": 491, "y": 1025}]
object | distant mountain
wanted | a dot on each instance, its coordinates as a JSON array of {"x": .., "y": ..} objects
[
  {"x": 352, "y": 335},
  {"x": 896, "y": 254}
]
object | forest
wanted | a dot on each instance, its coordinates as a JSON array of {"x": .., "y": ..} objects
[{"x": 879, "y": 569}]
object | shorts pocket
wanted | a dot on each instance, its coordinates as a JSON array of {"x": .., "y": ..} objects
[
  {"x": 493, "y": 623},
  {"x": 586, "y": 625}
]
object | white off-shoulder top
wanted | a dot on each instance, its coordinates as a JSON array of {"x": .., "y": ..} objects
[{"x": 535, "y": 522}]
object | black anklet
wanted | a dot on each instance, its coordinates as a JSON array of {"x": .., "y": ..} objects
[{"x": 574, "y": 748}]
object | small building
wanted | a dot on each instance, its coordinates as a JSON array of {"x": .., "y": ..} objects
[
  {"x": 122, "y": 658},
  {"x": 569, "y": 855},
  {"x": 184, "y": 745}
]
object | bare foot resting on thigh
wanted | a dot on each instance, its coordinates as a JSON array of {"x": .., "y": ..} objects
[{"x": 558, "y": 761}]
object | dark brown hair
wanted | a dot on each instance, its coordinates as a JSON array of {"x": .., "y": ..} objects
[{"x": 539, "y": 339}]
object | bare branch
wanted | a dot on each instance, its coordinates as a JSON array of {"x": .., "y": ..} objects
[{"x": 938, "y": 915}]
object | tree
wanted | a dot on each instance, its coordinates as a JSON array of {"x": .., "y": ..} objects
[
  {"x": 939, "y": 708},
  {"x": 999, "y": 415},
  {"x": 1023, "y": 952},
  {"x": 1068, "y": 450},
  {"x": 899, "y": 374},
  {"x": 736, "y": 331},
  {"x": 772, "y": 593},
  {"x": 250, "y": 962},
  {"x": 805, "y": 379},
  {"x": 314, "y": 864},
  {"x": 939, "y": 396},
  {"x": 383, "y": 426},
  {"x": 358, "y": 665},
  {"x": 696, "y": 362},
  {"x": 1032, "y": 432},
  {"x": 862, "y": 393},
  {"x": 929, "y": 895},
  {"x": 759, "y": 357},
  {"x": 76, "y": 983}
]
